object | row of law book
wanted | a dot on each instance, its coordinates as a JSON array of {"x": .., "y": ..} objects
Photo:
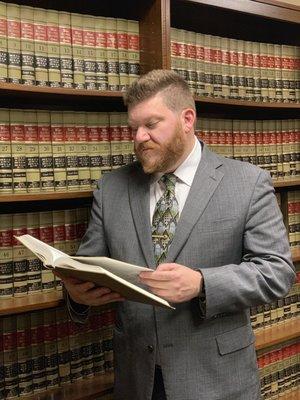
[
  {"x": 42, "y": 150},
  {"x": 279, "y": 369},
  {"x": 45, "y": 47},
  {"x": 21, "y": 272},
  {"x": 229, "y": 68},
  {"x": 279, "y": 311},
  {"x": 293, "y": 218},
  {"x": 42, "y": 350},
  {"x": 271, "y": 144}
]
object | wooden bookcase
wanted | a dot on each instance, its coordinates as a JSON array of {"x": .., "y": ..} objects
[{"x": 266, "y": 21}]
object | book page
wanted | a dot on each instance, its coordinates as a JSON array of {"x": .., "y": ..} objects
[{"x": 127, "y": 271}]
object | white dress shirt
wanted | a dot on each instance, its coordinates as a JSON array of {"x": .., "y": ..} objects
[{"x": 185, "y": 175}]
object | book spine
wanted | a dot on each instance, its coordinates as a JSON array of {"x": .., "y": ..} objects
[
  {"x": 115, "y": 140},
  {"x": 14, "y": 43},
  {"x": 278, "y": 74},
  {"x": 27, "y": 46},
  {"x": 18, "y": 150},
  {"x": 20, "y": 265},
  {"x": 104, "y": 142},
  {"x": 89, "y": 52},
  {"x": 37, "y": 351},
  {"x": 59, "y": 236},
  {"x": 6, "y": 182},
  {"x": 75, "y": 354},
  {"x": 41, "y": 47},
  {"x": 228, "y": 138},
  {"x": 46, "y": 235},
  {"x": 273, "y": 150},
  {"x": 101, "y": 53},
  {"x": 3, "y": 43},
  {"x": 216, "y": 65},
  {"x": 34, "y": 278},
  {"x": 45, "y": 151},
  {"x": 71, "y": 150},
  {"x": 112, "y": 54},
  {"x": 63, "y": 352},
  {"x": 191, "y": 61},
  {"x": 77, "y": 50},
  {"x": 256, "y": 72},
  {"x": 286, "y": 155},
  {"x": 10, "y": 357},
  {"x": 174, "y": 50},
  {"x": 65, "y": 49},
  {"x": 264, "y": 83},
  {"x": 122, "y": 43},
  {"x": 58, "y": 151},
  {"x": 81, "y": 222},
  {"x": 6, "y": 256},
  {"x": 98, "y": 354},
  {"x": 32, "y": 151},
  {"x": 24, "y": 355},
  {"x": 249, "y": 71},
  {"x": 241, "y": 70},
  {"x": 126, "y": 140},
  {"x": 279, "y": 149},
  {"x": 72, "y": 243},
  {"x": 94, "y": 147},
  {"x": 133, "y": 50},
  {"x": 208, "y": 87},
  {"x": 271, "y": 72},
  {"x": 50, "y": 343},
  {"x": 233, "y": 57},
  {"x": 252, "y": 142},
  {"x": 82, "y": 138},
  {"x": 237, "y": 141},
  {"x": 53, "y": 48},
  {"x": 293, "y": 147},
  {"x": 244, "y": 141}
]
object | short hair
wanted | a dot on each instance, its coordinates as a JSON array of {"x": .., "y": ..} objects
[{"x": 173, "y": 88}]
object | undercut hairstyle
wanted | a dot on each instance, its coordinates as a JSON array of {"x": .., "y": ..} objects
[{"x": 173, "y": 88}]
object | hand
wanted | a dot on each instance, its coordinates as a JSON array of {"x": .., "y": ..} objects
[
  {"x": 87, "y": 293},
  {"x": 173, "y": 282}
]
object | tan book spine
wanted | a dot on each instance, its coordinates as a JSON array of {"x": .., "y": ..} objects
[
  {"x": 174, "y": 49},
  {"x": 75, "y": 350},
  {"x": 122, "y": 42},
  {"x": 287, "y": 72},
  {"x": 297, "y": 74},
  {"x": 45, "y": 151},
  {"x": 27, "y": 45},
  {"x": 228, "y": 138},
  {"x": 59, "y": 237},
  {"x": 259, "y": 143},
  {"x": 271, "y": 72},
  {"x": 18, "y": 150},
  {"x": 112, "y": 54},
  {"x": 237, "y": 139},
  {"x": 115, "y": 140},
  {"x": 3, "y": 43},
  {"x": 233, "y": 48},
  {"x": 251, "y": 142},
  {"x": 226, "y": 77},
  {"x": 20, "y": 265},
  {"x": 33, "y": 176},
  {"x": 222, "y": 149},
  {"x": 256, "y": 72},
  {"x": 101, "y": 53},
  {"x": 6, "y": 181},
  {"x": 104, "y": 142},
  {"x": 24, "y": 354},
  {"x": 71, "y": 150},
  {"x": 249, "y": 71},
  {"x": 40, "y": 47},
  {"x": 14, "y": 43},
  {"x": 133, "y": 50},
  {"x": 82, "y": 138},
  {"x": 264, "y": 82},
  {"x": 245, "y": 156},
  {"x": 200, "y": 64},
  {"x": 241, "y": 69},
  {"x": 62, "y": 318},
  {"x": 50, "y": 343},
  {"x": 6, "y": 256},
  {"x": 213, "y": 133},
  {"x": 286, "y": 150},
  {"x": 78, "y": 50},
  {"x": 53, "y": 48},
  {"x": 65, "y": 49},
  {"x": 297, "y": 139},
  {"x": 266, "y": 145},
  {"x": 294, "y": 149},
  {"x": 217, "y": 65},
  {"x": 208, "y": 87},
  {"x": 46, "y": 235},
  {"x": 58, "y": 151},
  {"x": 72, "y": 243},
  {"x": 126, "y": 140},
  {"x": 89, "y": 52},
  {"x": 279, "y": 150},
  {"x": 82, "y": 218},
  {"x": 191, "y": 61},
  {"x": 183, "y": 60},
  {"x": 95, "y": 159},
  {"x": 34, "y": 278},
  {"x": 273, "y": 150},
  {"x": 278, "y": 73}
]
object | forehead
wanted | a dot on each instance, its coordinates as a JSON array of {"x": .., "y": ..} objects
[{"x": 154, "y": 107}]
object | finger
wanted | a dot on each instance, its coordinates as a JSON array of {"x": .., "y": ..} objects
[
  {"x": 156, "y": 276},
  {"x": 81, "y": 287}
]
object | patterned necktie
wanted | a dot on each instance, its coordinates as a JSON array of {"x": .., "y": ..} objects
[{"x": 165, "y": 218}]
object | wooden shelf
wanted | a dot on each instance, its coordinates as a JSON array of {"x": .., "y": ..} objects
[
  {"x": 296, "y": 254},
  {"x": 85, "y": 389},
  {"x": 277, "y": 334},
  {"x": 246, "y": 103},
  {"x": 37, "y": 301},
  {"x": 293, "y": 395},
  {"x": 287, "y": 183},
  {"x": 45, "y": 196}
]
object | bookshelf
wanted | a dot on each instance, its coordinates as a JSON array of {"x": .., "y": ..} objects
[{"x": 267, "y": 21}]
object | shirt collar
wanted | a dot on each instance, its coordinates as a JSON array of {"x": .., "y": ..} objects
[{"x": 187, "y": 169}]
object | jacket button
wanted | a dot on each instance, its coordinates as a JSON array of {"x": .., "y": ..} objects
[{"x": 150, "y": 348}]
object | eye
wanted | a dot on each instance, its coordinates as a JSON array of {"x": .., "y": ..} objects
[{"x": 151, "y": 125}]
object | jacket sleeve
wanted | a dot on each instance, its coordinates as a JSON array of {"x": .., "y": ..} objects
[{"x": 266, "y": 272}]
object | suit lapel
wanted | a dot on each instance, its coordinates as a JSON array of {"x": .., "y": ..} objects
[
  {"x": 206, "y": 180},
  {"x": 139, "y": 198}
]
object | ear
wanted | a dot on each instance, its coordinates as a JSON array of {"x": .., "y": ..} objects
[{"x": 188, "y": 118}]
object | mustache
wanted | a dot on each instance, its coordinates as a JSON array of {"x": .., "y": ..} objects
[{"x": 143, "y": 146}]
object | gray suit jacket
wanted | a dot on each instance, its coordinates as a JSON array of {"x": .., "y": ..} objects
[{"x": 231, "y": 229}]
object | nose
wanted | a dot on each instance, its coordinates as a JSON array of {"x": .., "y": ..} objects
[{"x": 141, "y": 135}]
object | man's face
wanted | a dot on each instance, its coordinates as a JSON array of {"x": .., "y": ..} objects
[{"x": 159, "y": 140}]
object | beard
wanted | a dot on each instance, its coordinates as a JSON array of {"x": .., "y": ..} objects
[{"x": 162, "y": 157}]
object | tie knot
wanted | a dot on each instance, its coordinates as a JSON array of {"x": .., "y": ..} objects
[{"x": 169, "y": 180}]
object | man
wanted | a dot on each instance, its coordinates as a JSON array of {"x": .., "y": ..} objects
[{"x": 212, "y": 235}]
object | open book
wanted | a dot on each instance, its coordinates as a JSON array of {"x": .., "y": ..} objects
[{"x": 119, "y": 276}]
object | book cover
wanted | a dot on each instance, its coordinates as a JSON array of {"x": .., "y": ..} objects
[
  {"x": 78, "y": 50},
  {"x": 27, "y": 46},
  {"x": 101, "y": 53},
  {"x": 89, "y": 52},
  {"x": 6, "y": 256},
  {"x": 33, "y": 176},
  {"x": 13, "y": 43},
  {"x": 53, "y": 54},
  {"x": 45, "y": 151},
  {"x": 58, "y": 151},
  {"x": 34, "y": 278},
  {"x": 65, "y": 49},
  {"x": 3, "y": 43},
  {"x": 122, "y": 43},
  {"x": 18, "y": 150},
  {"x": 83, "y": 159},
  {"x": 6, "y": 181},
  {"x": 40, "y": 47},
  {"x": 71, "y": 150},
  {"x": 133, "y": 50},
  {"x": 112, "y": 54},
  {"x": 20, "y": 265}
]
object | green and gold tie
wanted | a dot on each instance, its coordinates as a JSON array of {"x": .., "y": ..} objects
[{"x": 165, "y": 218}]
